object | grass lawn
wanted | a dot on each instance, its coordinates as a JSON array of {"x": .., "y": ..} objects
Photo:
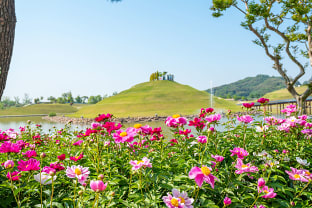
[{"x": 40, "y": 109}]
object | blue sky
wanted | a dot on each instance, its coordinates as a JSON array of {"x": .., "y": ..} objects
[{"x": 92, "y": 47}]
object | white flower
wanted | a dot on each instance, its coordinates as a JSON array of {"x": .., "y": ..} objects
[
  {"x": 302, "y": 162},
  {"x": 261, "y": 128},
  {"x": 45, "y": 178}
]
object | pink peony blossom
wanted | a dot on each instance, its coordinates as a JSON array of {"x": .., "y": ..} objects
[
  {"x": 30, "y": 153},
  {"x": 289, "y": 110},
  {"x": 78, "y": 143},
  {"x": 213, "y": 118},
  {"x": 76, "y": 158},
  {"x": 263, "y": 100},
  {"x": 244, "y": 168},
  {"x": 202, "y": 174},
  {"x": 297, "y": 175},
  {"x": 177, "y": 199},
  {"x": 14, "y": 176},
  {"x": 245, "y": 119},
  {"x": 248, "y": 105},
  {"x": 79, "y": 172},
  {"x": 202, "y": 139},
  {"x": 61, "y": 157},
  {"x": 98, "y": 186},
  {"x": 124, "y": 136},
  {"x": 8, "y": 164},
  {"x": 240, "y": 152},
  {"x": 175, "y": 121},
  {"x": 227, "y": 201},
  {"x": 218, "y": 158},
  {"x": 269, "y": 193},
  {"x": 145, "y": 162},
  {"x": 8, "y": 147},
  {"x": 31, "y": 164}
]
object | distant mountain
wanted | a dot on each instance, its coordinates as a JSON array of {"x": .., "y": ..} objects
[{"x": 250, "y": 87}]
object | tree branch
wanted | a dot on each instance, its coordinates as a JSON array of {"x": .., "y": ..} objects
[{"x": 301, "y": 67}]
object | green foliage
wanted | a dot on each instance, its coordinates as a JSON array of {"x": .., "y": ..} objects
[
  {"x": 171, "y": 163},
  {"x": 52, "y": 114},
  {"x": 252, "y": 87}
]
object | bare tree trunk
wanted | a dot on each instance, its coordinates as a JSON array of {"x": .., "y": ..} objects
[
  {"x": 7, "y": 32},
  {"x": 301, "y": 105}
]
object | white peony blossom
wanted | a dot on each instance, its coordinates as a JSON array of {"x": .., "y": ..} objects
[
  {"x": 302, "y": 162},
  {"x": 45, "y": 178}
]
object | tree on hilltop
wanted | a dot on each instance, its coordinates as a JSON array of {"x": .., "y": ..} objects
[{"x": 291, "y": 22}]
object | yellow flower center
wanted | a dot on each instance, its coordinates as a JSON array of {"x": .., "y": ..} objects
[
  {"x": 271, "y": 164},
  {"x": 137, "y": 126},
  {"x": 123, "y": 134},
  {"x": 176, "y": 116},
  {"x": 141, "y": 161},
  {"x": 307, "y": 173},
  {"x": 9, "y": 166},
  {"x": 77, "y": 157},
  {"x": 296, "y": 176},
  {"x": 174, "y": 202},
  {"x": 244, "y": 166},
  {"x": 182, "y": 199},
  {"x": 206, "y": 171},
  {"x": 77, "y": 171},
  {"x": 265, "y": 191}
]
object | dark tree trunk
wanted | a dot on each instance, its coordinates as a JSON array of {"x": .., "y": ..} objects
[{"x": 7, "y": 32}]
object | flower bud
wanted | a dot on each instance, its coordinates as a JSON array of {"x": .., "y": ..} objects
[
  {"x": 52, "y": 173},
  {"x": 101, "y": 177},
  {"x": 80, "y": 193},
  {"x": 43, "y": 155},
  {"x": 227, "y": 201},
  {"x": 261, "y": 182}
]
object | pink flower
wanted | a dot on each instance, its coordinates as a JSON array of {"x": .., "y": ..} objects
[
  {"x": 14, "y": 176},
  {"x": 248, "y": 105},
  {"x": 202, "y": 139},
  {"x": 242, "y": 168},
  {"x": 145, "y": 162},
  {"x": 297, "y": 175},
  {"x": 218, "y": 158},
  {"x": 96, "y": 126},
  {"x": 30, "y": 153},
  {"x": 177, "y": 199},
  {"x": 8, "y": 147},
  {"x": 124, "y": 136},
  {"x": 269, "y": 193},
  {"x": 61, "y": 157},
  {"x": 31, "y": 164},
  {"x": 103, "y": 117},
  {"x": 263, "y": 100},
  {"x": 289, "y": 110},
  {"x": 261, "y": 182},
  {"x": 202, "y": 174},
  {"x": 227, "y": 201},
  {"x": 240, "y": 152},
  {"x": 76, "y": 158},
  {"x": 78, "y": 143},
  {"x": 175, "y": 121},
  {"x": 245, "y": 119},
  {"x": 98, "y": 185},
  {"x": 57, "y": 166},
  {"x": 8, "y": 164},
  {"x": 213, "y": 118},
  {"x": 79, "y": 172}
]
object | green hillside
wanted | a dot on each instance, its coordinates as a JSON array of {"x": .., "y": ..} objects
[
  {"x": 39, "y": 109},
  {"x": 157, "y": 97},
  {"x": 250, "y": 87},
  {"x": 283, "y": 93}
]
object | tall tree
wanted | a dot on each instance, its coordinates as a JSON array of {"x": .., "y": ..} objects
[
  {"x": 283, "y": 28},
  {"x": 7, "y": 31}
]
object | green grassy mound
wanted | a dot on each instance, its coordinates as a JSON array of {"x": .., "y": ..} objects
[
  {"x": 283, "y": 93},
  {"x": 39, "y": 109},
  {"x": 158, "y": 97}
]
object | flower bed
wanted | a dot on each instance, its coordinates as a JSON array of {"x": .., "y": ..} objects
[{"x": 252, "y": 164}]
